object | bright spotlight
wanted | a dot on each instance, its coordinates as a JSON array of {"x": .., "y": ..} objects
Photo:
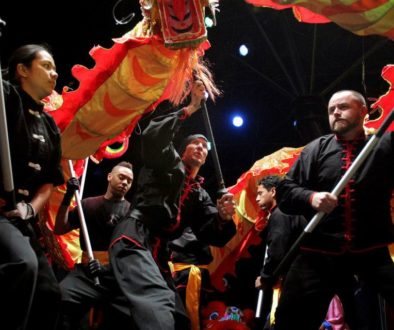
[
  {"x": 238, "y": 121},
  {"x": 208, "y": 22},
  {"x": 243, "y": 50}
]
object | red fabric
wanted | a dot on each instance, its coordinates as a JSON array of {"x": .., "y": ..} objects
[
  {"x": 249, "y": 218},
  {"x": 301, "y": 14},
  {"x": 107, "y": 60},
  {"x": 386, "y": 101},
  {"x": 362, "y": 17}
]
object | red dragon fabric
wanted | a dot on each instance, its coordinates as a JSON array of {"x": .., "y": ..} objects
[
  {"x": 249, "y": 218},
  {"x": 361, "y": 17},
  {"x": 151, "y": 63}
]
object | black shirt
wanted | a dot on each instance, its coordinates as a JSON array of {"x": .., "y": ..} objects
[{"x": 34, "y": 142}]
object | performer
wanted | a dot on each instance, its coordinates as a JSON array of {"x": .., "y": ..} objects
[
  {"x": 138, "y": 253},
  {"x": 280, "y": 233},
  {"x": 353, "y": 238},
  {"x": 30, "y": 294},
  {"x": 102, "y": 213}
]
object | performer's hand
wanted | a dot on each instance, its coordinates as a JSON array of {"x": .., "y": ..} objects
[
  {"x": 257, "y": 282},
  {"x": 95, "y": 268},
  {"x": 324, "y": 202},
  {"x": 24, "y": 211},
  {"x": 198, "y": 94},
  {"x": 266, "y": 283},
  {"x": 226, "y": 206},
  {"x": 72, "y": 185},
  {"x": 263, "y": 283}
]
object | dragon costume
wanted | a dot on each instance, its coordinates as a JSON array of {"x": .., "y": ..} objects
[{"x": 151, "y": 63}]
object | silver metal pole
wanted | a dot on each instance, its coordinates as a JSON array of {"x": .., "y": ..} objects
[
  {"x": 84, "y": 228},
  {"x": 259, "y": 303},
  {"x": 261, "y": 291},
  {"x": 215, "y": 157},
  {"x": 337, "y": 189},
  {"x": 6, "y": 164},
  {"x": 345, "y": 179},
  {"x": 83, "y": 180}
]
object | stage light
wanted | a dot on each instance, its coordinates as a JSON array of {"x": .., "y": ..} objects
[
  {"x": 208, "y": 22},
  {"x": 238, "y": 121},
  {"x": 243, "y": 50}
]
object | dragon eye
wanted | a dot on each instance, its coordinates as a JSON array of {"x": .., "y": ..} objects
[
  {"x": 234, "y": 309},
  {"x": 214, "y": 316}
]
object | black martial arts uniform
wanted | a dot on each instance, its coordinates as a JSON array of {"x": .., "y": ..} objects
[
  {"x": 26, "y": 278},
  {"x": 351, "y": 240},
  {"x": 138, "y": 252}
]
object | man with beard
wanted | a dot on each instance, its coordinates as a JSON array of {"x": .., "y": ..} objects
[{"x": 353, "y": 238}]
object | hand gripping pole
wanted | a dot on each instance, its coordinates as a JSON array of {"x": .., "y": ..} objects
[{"x": 84, "y": 228}]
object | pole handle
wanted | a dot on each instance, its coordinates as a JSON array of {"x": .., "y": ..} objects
[
  {"x": 373, "y": 141},
  {"x": 215, "y": 157},
  {"x": 84, "y": 227}
]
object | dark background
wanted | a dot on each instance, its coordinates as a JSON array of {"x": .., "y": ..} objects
[{"x": 290, "y": 72}]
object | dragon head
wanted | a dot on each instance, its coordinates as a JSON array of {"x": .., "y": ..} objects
[{"x": 179, "y": 22}]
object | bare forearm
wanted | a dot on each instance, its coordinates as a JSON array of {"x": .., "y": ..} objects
[
  {"x": 62, "y": 225},
  {"x": 41, "y": 197}
]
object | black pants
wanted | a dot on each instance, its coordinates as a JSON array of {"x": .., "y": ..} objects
[
  {"x": 154, "y": 302},
  {"x": 30, "y": 294},
  {"x": 313, "y": 279},
  {"x": 80, "y": 294}
]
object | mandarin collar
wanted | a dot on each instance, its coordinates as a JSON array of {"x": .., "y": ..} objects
[
  {"x": 362, "y": 137},
  {"x": 29, "y": 102}
]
